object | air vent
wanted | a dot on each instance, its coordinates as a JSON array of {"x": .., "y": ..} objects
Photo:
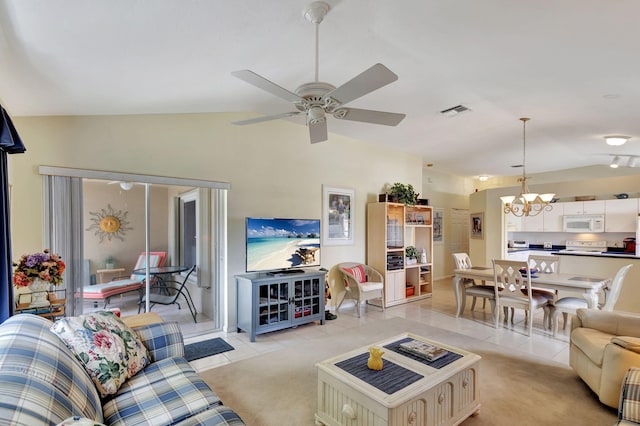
[{"x": 453, "y": 111}]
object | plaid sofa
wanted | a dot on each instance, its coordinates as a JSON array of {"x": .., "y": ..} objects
[
  {"x": 42, "y": 383},
  {"x": 629, "y": 408}
]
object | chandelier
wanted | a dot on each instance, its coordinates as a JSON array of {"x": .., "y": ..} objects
[{"x": 526, "y": 203}]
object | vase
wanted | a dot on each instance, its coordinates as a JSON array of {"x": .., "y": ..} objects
[{"x": 39, "y": 292}]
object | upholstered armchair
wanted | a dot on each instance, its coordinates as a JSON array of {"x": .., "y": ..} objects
[{"x": 603, "y": 347}]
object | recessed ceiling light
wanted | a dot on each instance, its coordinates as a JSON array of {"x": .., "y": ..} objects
[
  {"x": 616, "y": 140},
  {"x": 483, "y": 178}
]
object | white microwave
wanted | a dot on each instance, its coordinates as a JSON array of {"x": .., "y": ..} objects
[{"x": 583, "y": 223}]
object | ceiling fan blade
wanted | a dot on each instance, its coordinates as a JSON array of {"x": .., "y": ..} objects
[
  {"x": 264, "y": 84},
  {"x": 265, "y": 118},
  {"x": 366, "y": 82},
  {"x": 318, "y": 131},
  {"x": 369, "y": 116}
]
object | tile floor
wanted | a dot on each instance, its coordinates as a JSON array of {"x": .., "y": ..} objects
[{"x": 438, "y": 311}]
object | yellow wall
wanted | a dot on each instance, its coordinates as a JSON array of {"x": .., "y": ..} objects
[{"x": 272, "y": 168}]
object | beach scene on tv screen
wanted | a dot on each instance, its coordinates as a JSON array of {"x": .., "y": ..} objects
[{"x": 282, "y": 243}]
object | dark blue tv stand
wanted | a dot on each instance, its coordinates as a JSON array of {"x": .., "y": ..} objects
[{"x": 269, "y": 302}]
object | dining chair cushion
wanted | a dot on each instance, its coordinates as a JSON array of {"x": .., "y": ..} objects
[
  {"x": 110, "y": 351},
  {"x": 357, "y": 272}
]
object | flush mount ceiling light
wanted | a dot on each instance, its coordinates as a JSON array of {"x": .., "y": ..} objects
[
  {"x": 483, "y": 178},
  {"x": 616, "y": 140},
  {"x": 526, "y": 203}
]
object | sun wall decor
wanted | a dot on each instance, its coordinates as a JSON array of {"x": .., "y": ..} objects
[{"x": 108, "y": 223}]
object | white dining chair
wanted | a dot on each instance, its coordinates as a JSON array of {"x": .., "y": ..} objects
[
  {"x": 469, "y": 287},
  {"x": 512, "y": 289},
  {"x": 545, "y": 265},
  {"x": 569, "y": 305}
]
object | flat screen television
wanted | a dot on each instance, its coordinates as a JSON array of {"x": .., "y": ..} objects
[{"x": 282, "y": 245}]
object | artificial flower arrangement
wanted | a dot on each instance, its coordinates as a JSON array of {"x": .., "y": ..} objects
[{"x": 48, "y": 267}]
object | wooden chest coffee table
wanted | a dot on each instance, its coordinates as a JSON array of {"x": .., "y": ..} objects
[{"x": 407, "y": 391}]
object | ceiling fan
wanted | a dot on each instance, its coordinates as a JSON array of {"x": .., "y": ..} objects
[
  {"x": 317, "y": 99},
  {"x": 124, "y": 185}
]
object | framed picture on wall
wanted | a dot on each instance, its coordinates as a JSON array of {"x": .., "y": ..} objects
[
  {"x": 477, "y": 225},
  {"x": 337, "y": 216},
  {"x": 438, "y": 225}
]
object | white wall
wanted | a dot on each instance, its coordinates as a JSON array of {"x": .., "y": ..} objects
[{"x": 272, "y": 168}]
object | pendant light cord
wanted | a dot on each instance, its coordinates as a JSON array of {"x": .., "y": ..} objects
[{"x": 524, "y": 147}]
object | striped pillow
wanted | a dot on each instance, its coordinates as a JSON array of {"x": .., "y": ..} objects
[{"x": 357, "y": 272}]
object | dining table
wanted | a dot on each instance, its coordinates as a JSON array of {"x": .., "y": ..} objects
[{"x": 588, "y": 286}]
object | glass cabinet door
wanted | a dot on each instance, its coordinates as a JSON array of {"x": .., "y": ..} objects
[
  {"x": 274, "y": 303},
  {"x": 306, "y": 297}
]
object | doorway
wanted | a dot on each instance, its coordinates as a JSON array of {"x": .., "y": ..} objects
[{"x": 146, "y": 212}]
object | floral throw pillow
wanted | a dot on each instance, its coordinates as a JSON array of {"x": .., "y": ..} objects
[{"x": 110, "y": 351}]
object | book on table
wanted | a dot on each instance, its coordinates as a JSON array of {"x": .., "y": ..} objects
[{"x": 423, "y": 350}]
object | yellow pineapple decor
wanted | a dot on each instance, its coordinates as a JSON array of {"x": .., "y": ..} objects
[{"x": 375, "y": 359}]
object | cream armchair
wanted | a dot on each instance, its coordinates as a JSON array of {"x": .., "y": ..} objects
[
  {"x": 360, "y": 283},
  {"x": 603, "y": 346}
]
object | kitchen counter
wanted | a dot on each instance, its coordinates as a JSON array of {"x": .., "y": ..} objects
[{"x": 621, "y": 255}]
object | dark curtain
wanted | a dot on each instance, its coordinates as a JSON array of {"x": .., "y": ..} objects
[{"x": 10, "y": 143}]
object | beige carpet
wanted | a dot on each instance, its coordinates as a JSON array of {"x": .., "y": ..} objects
[{"x": 279, "y": 388}]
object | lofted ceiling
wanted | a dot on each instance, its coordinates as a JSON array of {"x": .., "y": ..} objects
[{"x": 571, "y": 65}]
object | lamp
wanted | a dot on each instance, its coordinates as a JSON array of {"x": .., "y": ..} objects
[
  {"x": 126, "y": 185},
  {"x": 615, "y": 163},
  {"x": 616, "y": 140},
  {"x": 526, "y": 203}
]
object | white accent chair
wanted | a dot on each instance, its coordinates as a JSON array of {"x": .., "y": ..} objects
[
  {"x": 512, "y": 289},
  {"x": 470, "y": 288},
  {"x": 570, "y": 305},
  {"x": 361, "y": 283}
]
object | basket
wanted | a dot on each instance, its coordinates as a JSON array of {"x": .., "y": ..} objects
[{"x": 585, "y": 198}]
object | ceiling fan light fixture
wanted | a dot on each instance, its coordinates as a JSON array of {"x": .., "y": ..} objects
[
  {"x": 526, "y": 203},
  {"x": 616, "y": 140}
]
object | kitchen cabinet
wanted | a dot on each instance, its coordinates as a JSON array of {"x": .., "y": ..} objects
[
  {"x": 514, "y": 223},
  {"x": 584, "y": 207},
  {"x": 621, "y": 215},
  {"x": 533, "y": 223},
  {"x": 553, "y": 218}
]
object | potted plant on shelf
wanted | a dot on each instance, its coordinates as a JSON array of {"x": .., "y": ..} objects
[
  {"x": 110, "y": 262},
  {"x": 411, "y": 254},
  {"x": 404, "y": 194}
]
